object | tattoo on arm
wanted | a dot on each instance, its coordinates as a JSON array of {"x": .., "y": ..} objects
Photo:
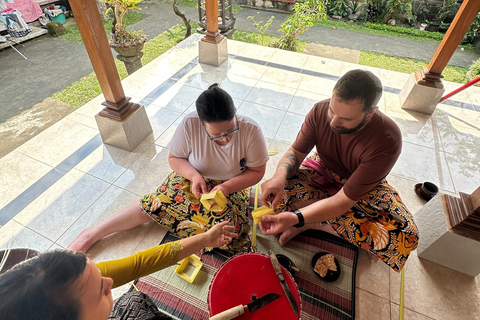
[{"x": 292, "y": 164}]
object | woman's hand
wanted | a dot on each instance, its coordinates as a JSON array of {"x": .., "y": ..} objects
[
  {"x": 223, "y": 188},
  {"x": 220, "y": 234},
  {"x": 199, "y": 186}
]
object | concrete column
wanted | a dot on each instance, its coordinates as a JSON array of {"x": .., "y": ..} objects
[
  {"x": 212, "y": 48},
  {"x": 424, "y": 88},
  {"x": 438, "y": 243},
  {"x": 118, "y": 108}
]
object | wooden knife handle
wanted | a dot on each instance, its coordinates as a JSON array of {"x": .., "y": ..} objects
[
  {"x": 230, "y": 313},
  {"x": 275, "y": 263}
]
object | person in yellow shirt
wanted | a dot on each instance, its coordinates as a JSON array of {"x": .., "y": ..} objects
[{"x": 64, "y": 284}]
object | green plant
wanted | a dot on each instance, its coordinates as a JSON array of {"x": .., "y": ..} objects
[
  {"x": 445, "y": 9},
  {"x": 473, "y": 32},
  {"x": 420, "y": 11},
  {"x": 261, "y": 29},
  {"x": 397, "y": 7},
  {"x": 355, "y": 6},
  {"x": 443, "y": 26},
  {"x": 475, "y": 69},
  {"x": 338, "y": 8},
  {"x": 120, "y": 33},
  {"x": 376, "y": 9},
  {"x": 304, "y": 14}
]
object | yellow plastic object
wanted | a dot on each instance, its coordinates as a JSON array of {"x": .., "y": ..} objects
[
  {"x": 194, "y": 260},
  {"x": 214, "y": 201},
  {"x": 258, "y": 213},
  {"x": 187, "y": 188}
]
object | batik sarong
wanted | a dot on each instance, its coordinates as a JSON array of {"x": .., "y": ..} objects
[{"x": 379, "y": 222}]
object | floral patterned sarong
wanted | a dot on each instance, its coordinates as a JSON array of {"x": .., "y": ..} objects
[
  {"x": 379, "y": 222},
  {"x": 170, "y": 207}
]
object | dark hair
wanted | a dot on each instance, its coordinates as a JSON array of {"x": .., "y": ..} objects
[
  {"x": 43, "y": 287},
  {"x": 215, "y": 105},
  {"x": 359, "y": 85}
]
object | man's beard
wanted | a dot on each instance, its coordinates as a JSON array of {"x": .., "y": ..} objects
[{"x": 343, "y": 130}]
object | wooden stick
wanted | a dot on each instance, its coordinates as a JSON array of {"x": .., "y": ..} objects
[{"x": 254, "y": 232}]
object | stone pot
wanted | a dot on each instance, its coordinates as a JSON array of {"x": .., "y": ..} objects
[
  {"x": 16, "y": 256},
  {"x": 128, "y": 49},
  {"x": 353, "y": 16},
  {"x": 130, "y": 53}
]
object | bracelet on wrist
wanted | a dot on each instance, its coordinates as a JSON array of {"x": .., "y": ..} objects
[{"x": 301, "y": 220}]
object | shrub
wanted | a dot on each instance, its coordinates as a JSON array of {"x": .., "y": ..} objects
[
  {"x": 475, "y": 69},
  {"x": 55, "y": 28},
  {"x": 304, "y": 14},
  {"x": 376, "y": 9},
  {"x": 262, "y": 29},
  {"x": 473, "y": 32},
  {"x": 338, "y": 8}
]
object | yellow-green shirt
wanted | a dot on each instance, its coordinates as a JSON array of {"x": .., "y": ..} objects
[{"x": 140, "y": 264}]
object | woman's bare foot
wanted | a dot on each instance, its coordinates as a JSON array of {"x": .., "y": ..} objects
[
  {"x": 125, "y": 219},
  {"x": 82, "y": 242}
]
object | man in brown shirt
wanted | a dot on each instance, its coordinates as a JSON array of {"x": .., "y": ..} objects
[{"x": 342, "y": 189}]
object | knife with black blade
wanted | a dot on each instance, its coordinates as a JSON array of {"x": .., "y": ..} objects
[
  {"x": 288, "y": 292},
  {"x": 252, "y": 306}
]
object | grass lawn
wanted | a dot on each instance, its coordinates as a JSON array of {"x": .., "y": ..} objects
[
  {"x": 384, "y": 61},
  {"x": 390, "y": 31},
  {"x": 73, "y": 34},
  {"x": 87, "y": 88}
]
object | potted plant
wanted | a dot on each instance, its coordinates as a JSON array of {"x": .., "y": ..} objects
[{"x": 126, "y": 43}]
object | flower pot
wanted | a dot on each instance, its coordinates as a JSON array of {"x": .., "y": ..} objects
[{"x": 128, "y": 49}]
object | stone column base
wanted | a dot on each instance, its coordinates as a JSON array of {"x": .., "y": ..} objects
[
  {"x": 212, "y": 53},
  {"x": 438, "y": 243},
  {"x": 126, "y": 134},
  {"x": 420, "y": 98},
  {"x": 132, "y": 64}
]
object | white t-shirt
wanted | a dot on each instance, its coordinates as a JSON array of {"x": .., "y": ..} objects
[{"x": 247, "y": 148}]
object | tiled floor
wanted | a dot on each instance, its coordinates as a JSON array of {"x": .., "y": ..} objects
[{"x": 65, "y": 179}]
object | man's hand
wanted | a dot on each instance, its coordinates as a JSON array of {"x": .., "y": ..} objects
[
  {"x": 199, "y": 187},
  {"x": 220, "y": 234},
  {"x": 223, "y": 188},
  {"x": 273, "y": 224},
  {"x": 272, "y": 191}
]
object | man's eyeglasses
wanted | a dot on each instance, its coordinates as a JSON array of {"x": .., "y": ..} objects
[{"x": 223, "y": 135}]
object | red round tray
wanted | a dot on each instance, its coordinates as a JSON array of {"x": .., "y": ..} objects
[{"x": 247, "y": 275}]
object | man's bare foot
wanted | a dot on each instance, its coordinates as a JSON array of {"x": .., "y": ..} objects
[
  {"x": 373, "y": 257},
  {"x": 290, "y": 233},
  {"x": 82, "y": 242}
]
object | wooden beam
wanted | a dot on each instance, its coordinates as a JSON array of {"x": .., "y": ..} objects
[
  {"x": 460, "y": 24},
  {"x": 90, "y": 25},
  {"x": 212, "y": 34}
]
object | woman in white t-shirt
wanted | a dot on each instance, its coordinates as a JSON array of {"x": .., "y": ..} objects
[{"x": 213, "y": 149}]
